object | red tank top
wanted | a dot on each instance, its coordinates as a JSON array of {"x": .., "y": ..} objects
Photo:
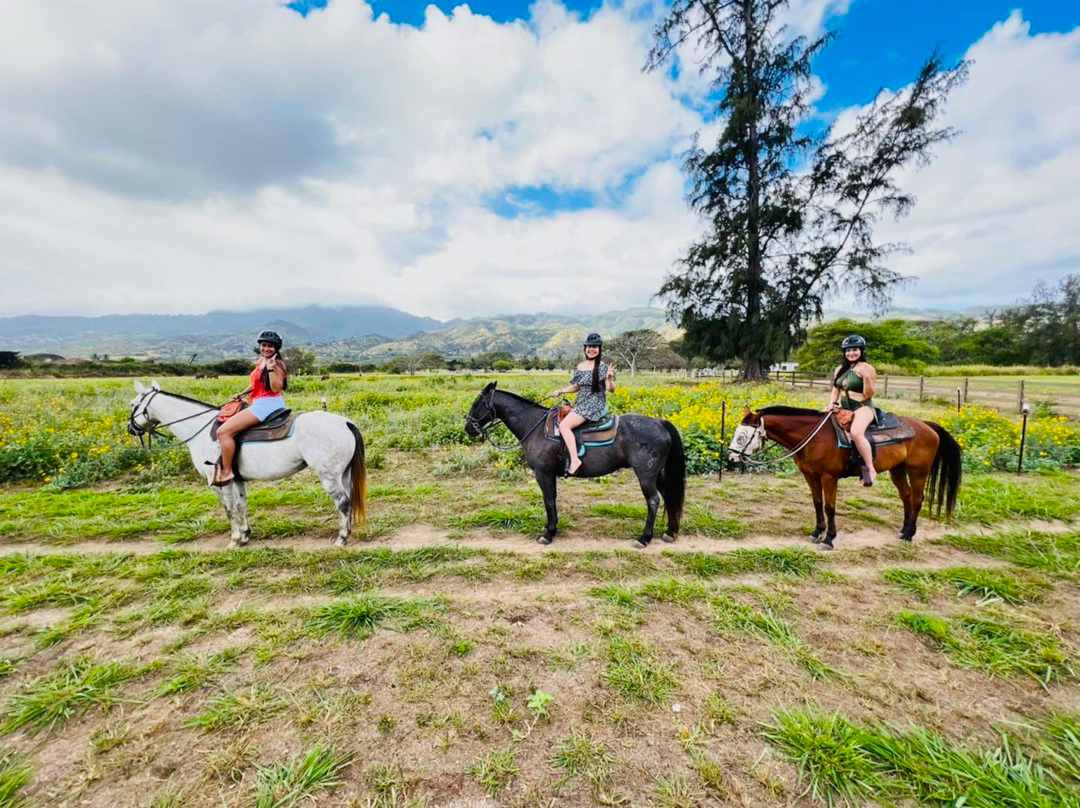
[{"x": 258, "y": 389}]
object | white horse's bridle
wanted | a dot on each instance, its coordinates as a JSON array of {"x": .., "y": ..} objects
[{"x": 149, "y": 427}]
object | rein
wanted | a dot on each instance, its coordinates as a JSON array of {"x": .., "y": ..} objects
[
  {"x": 151, "y": 428},
  {"x": 746, "y": 457},
  {"x": 486, "y": 427}
]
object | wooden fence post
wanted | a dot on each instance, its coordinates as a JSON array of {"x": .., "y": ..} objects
[
  {"x": 886, "y": 393},
  {"x": 1020, "y": 398},
  {"x": 922, "y": 384},
  {"x": 966, "y": 380}
]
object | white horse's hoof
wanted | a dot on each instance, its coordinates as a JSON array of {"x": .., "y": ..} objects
[{"x": 340, "y": 542}]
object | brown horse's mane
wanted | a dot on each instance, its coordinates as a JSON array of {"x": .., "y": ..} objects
[{"x": 779, "y": 409}]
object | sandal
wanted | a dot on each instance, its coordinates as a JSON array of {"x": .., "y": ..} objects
[{"x": 219, "y": 481}]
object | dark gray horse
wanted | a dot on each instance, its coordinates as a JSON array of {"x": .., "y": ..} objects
[{"x": 650, "y": 446}]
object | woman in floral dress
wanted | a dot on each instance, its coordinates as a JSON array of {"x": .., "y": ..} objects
[{"x": 592, "y": 380}]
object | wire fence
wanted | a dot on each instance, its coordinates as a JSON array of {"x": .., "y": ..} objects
[{"x": 1008, "y": 394}]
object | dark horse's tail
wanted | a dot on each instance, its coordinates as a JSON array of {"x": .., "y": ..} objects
[
  {"x": 358, "y": 494},
  {"x": 672, "y": 480},
  {"x": 945, "y": 473}
]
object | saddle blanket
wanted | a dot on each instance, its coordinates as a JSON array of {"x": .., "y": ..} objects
[
  {"x": 589, "y": 436},
  {"x": 886, "y": 429},
  {"x": 277, "y": 426}
]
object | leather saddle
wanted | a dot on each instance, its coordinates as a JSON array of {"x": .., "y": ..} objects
[
  {"x": 884, "y": 430},
  {"x": 589, "y": 435},
  {"x": 277, "y": 426}
]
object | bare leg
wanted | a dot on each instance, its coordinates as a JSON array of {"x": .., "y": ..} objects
[
  {"x": 863, "y": 417},
  {"x": 566, "y": 429},
  {"x": 227, "y": 440}
]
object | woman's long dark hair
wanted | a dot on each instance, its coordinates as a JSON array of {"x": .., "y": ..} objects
[
  {"x": 845, "y": 365},
  {"x": 596, "y": 369}
]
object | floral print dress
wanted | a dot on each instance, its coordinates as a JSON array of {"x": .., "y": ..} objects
[{"x": 589, "y": 405}]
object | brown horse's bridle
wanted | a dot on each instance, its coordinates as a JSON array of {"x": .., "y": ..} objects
[{"x": 761, "y": 430}]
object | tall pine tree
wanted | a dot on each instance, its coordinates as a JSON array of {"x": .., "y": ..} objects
[{"x": 789, "y": 214}]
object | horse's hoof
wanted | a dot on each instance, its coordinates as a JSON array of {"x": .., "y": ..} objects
[
  {"x": 668, "y": 538},
  {"x": 815, "y": 538},
  {"x": 825, "y": 545},
  {"x": 544, "y": 540},
  {"x": 639, "y": 544},
  {"x": 340, "y": 542}
]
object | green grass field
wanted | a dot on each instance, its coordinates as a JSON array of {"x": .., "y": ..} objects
[{"x": 446, "y": 658}]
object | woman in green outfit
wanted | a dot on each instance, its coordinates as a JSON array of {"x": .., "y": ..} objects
[{"x": 853, "y": 389}]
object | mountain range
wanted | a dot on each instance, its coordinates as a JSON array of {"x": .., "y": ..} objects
[
  {"x": 355, "y": 333},
  {"x": 351, "y": 333}
]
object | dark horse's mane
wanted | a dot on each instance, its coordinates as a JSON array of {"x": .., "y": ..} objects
[
  {"x": 521, "y": 398},
  {"x": 779, "y": 409}
]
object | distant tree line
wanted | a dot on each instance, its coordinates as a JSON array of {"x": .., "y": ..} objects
[{"x": 1044, "y": 331}]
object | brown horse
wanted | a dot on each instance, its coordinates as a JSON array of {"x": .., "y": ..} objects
[{"x": 933, "y": 454}]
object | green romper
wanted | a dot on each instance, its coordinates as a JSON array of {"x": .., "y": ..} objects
[{"x": 852, "y": 382}]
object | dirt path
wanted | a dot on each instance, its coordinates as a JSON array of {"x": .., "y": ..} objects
[{"x": 418, "y": 535}]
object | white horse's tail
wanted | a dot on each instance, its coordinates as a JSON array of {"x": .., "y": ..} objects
[{"x": 358, "y": 496}]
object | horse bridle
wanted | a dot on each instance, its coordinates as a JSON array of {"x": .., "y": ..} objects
[
  {"x": 485, "y": 427},
  {"x": 151, "y": 427},
  {"x": 746, "y": 456}
]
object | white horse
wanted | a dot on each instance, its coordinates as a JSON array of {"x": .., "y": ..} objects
[{"x": 329, "y": 444}]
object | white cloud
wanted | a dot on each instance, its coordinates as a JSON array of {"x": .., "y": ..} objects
[
  {"x": 239, "y": 153},
  {"x": 185, "y": 156},
  {"x": 997, "y": 207}
]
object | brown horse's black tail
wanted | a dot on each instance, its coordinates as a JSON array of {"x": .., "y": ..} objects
[
  {"x": 672, "y": 482},
  {"x": 945, "y": 473}
]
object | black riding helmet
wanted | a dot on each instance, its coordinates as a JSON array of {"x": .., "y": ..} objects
[
  {"x": 854, "y": 341},
  {"x": 593, "y": 341},
  {"x": 272, "y": 337}
]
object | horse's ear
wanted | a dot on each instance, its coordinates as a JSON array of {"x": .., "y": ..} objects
[
  {"x": 155, "y": 386},
  {"x": 139, "y": 388},
  {"x": 490, "y": 386}
]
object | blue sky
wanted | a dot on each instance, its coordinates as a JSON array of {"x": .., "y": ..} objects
[
  {"x": 472, "y": 163},
  {"x": 880, "y": 44}
]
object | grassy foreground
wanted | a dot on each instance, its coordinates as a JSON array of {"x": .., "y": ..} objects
[{"x": 443, "y": 659}]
